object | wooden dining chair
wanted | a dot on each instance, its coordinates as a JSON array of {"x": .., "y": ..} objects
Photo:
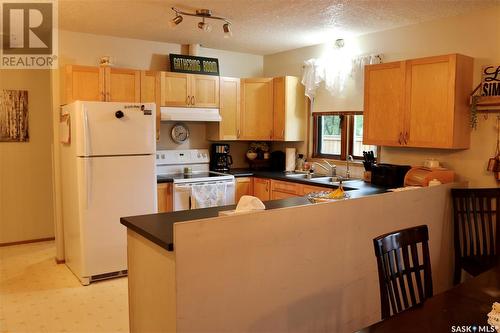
[
  {"x": 476, "y": 230},
  {"x": 404, "y": 269}
]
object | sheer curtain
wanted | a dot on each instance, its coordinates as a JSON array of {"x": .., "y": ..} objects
[{"x": 335, "y": 70}]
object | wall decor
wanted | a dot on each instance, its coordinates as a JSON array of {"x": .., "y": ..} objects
[
  {"x": 490, "y": 80},
  {"x": 14, "y": 125},
  {"x": 194, "y": 65}
]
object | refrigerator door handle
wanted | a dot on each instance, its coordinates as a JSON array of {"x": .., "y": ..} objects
[
  {"x": 88, "y": 177},
  {"x": 86, "y": 132}
]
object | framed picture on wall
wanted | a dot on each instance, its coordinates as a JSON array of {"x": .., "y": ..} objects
[{"x": 14, "y": 124}]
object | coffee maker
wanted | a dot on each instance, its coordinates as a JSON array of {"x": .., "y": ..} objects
[{"x": 220, "y": 160}]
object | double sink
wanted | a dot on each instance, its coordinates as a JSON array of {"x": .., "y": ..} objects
[{"x": 348, "y": 185}]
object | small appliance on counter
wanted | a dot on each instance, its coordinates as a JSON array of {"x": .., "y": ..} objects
[
  {"x": 220, "y": 160},
  {"x": 278, "y": 160},
  {"x": 389, "y": 175},
  {"x": 421, "y": 176}
]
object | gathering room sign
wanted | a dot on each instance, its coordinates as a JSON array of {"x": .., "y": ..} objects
[
  {"x": 194, "y": 65},
  {"x": 490, "y": 81}
]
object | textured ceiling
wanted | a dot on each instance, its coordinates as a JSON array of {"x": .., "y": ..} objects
[{"x": 259, "y": 26}]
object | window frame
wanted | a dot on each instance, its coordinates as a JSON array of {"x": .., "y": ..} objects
[{"x": 346, "y": 117}]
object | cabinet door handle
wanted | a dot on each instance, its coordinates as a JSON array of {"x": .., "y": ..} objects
[
  {"x": 406, "y": 138},
  {"x": 238, "y": 133},
  {"x": 108, "y": 97},
  {"x": 399, "y": 140},
  {"x": 193, "y": 100},
  {"x": 103, "y": 96},
  {"x": 188, "y": 99},
  {"x": 283, "y": 134}
]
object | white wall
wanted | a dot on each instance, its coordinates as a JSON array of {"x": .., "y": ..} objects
[
  {"x": 26, "y": 167},
  {"x": 475, "y": 34},
  {"x": 283, "y": 271},
  {"x": 87, "y": 49}
]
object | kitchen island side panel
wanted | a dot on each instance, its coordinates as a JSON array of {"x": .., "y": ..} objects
[
  {"x": 151, "y": 286},
  {"x": 300, "y": 269}
]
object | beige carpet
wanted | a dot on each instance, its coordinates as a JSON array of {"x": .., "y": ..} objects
[{"x": 37, "y": 295}]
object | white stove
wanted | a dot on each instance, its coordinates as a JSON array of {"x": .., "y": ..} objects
[{"x": 189, "y": 171}]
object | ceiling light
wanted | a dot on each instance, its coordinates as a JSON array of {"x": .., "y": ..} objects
[
  {"x": 204, "y": 26},
  {"x": 204, "y": 14},
  {"x": 175, "y": 21},
  {"x": 227, "y": 30}
]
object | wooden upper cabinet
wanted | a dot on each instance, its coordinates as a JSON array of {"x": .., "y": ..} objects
[
  {"x": 228, "y": 127},
  {"x": 82, "y": 83},
  {"x": 150, "y": 93},
  {"x": 189, "y": 90},
  {"x": 256, "y": 120},
  {"x": 437, "y": 90},
  {"x": 175, "y": 89},
  {"x": 204, "y": 91},
  {"x": 290, "y": 117},
  {"x": 122, "y": 85},
  {"x": 419, "y": 103},
  {"x": 384, "y": 104}
]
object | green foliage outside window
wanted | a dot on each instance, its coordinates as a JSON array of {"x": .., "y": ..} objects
[{"x": 331, "y": 125}]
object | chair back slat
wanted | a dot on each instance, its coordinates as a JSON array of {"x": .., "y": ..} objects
[
  {"x": 401, "y": 279},
  {"x": 406, "y": 259},
  {"x": 476, "y": 229},
  {"x": 475, "y": 220}
]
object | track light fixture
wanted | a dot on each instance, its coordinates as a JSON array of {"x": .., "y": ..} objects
[
  {"x": 227, "y": 30},
  {"x": 204, "y": 14},
  {"x": 175, "y": 21}
]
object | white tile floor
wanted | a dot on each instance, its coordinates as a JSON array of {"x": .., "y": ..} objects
[{"x": 37, "y": 295}]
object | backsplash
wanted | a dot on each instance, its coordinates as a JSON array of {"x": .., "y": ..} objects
[{"x": 198, "y": 140}]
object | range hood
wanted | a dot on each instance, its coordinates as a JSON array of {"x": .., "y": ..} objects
[{"x": 189, "y": 114}]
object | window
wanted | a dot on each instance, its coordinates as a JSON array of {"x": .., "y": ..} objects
[{"x": 338, "y": 134}]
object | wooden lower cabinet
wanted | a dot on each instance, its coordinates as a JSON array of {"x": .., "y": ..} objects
[
  {"x": 244, "y": 186},
  {"x": 282, "y": 189},
  {"x": 276, "y": 195},
  {"x": 262, "y": 188},
  {"x": 306, "y": 189},
  {"x": 165, "y": 196}
]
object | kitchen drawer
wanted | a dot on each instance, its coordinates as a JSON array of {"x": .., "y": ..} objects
[
  {"x": 276, "y": 195},
  {"x": 306, "y": 189},
  {"x": 286, "y": 187}
]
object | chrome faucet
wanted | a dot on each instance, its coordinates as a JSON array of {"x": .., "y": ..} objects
[
  {"x": 348, "y": 160},
  {"x": 331, "y": 169}
]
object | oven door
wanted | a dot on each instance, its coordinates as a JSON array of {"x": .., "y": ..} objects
[{"x": 182, "y": 195}]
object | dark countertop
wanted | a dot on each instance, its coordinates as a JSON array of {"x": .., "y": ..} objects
[{"x": 159, "y": 228}]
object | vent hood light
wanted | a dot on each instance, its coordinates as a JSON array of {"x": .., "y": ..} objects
[{"x": 189, "y": 114}]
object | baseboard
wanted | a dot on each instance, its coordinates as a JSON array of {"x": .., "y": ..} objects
[
  {"x": 59, "y": 261},
  {"x": 28, "y": 241}
]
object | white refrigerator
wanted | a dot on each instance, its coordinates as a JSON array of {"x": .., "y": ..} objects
[{"x": 108, "y": 172}]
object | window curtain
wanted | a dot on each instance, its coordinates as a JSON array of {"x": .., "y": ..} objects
[
  {"x": 358, "y": 67},
  {"x": 335, "y": 70}
]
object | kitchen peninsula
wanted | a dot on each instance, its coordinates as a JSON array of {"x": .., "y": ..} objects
[{"x": 252, "y": 272}]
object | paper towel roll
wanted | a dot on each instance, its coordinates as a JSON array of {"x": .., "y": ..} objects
[{"x": 291, "y": 155}]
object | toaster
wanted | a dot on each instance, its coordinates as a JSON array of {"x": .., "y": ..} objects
[{"x": 389, "y": 175}]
